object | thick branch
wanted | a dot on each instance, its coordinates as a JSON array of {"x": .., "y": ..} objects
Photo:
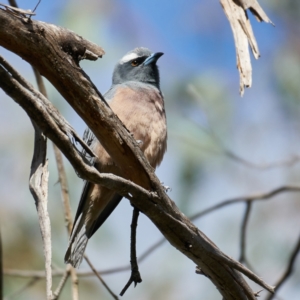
[{"x": 44, "y": 46}]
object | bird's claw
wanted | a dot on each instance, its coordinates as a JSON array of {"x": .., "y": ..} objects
[
  {"x": 166, "y": 187},
  {"x": 140, "y": 142}
]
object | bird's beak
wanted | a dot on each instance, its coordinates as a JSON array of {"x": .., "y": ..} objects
[{"x": 152, "y": 58}]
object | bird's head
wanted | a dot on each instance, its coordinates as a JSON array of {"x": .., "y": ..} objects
[{"x": 138, "y": 65}]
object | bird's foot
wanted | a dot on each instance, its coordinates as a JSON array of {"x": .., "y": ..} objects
[
  {"x": 140, "y": 142},
  {"x": 166, "y": 187}
]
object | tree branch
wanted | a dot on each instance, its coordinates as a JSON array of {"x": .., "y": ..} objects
[
  {"x": 135, "y": 273},
  {"x": 249, "y": 198},
  {"x": 38, "y": 185},
  {"x": 235, "y": 11},
  {"x": 67, "y": 212},
  {"x": 100, "y": 278},
  {"x": 243, "y": 258},
  {"x": 62, "y": 283}
]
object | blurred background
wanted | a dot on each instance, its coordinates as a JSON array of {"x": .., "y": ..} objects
[{"x": 220, "y": 146}]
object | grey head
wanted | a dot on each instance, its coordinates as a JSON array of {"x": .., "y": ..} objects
[{"x": 138, "y": 65}]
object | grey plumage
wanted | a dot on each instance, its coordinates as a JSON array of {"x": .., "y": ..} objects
[{"x": 136, "y": 98}]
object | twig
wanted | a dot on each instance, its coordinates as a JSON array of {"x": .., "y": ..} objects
[
  {"x": 135, "y": 274},
  {"x": 288, "y": 271},
  {"x": 67, "y": 212},
  {"x": 242, "y": 258},
  {"x": 100, "y": 278},
  {"x": 64, "y": 188},
  {"x": 151, "y": 249},
  {"x": 263, "y": 196},
  {"x": 58, "y": 273},
  {"x": 62, "y": 283},
  {"x": 263, "y": 166}
]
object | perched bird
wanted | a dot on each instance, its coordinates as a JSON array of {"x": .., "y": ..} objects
[{"x": 135, "y": 97}]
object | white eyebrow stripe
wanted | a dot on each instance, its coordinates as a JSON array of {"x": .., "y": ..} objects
[{"x": 128, "y": 57}]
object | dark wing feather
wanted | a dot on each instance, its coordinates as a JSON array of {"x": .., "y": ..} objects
[
  {"x": 88, "y": 138},
  {"x": 109, "y": 208}
]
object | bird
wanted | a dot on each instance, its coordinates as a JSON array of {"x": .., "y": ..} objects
[{"x": 135, "y": 97}]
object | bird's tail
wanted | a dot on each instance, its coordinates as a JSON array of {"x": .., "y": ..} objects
[{"x": 77, "y": 244}]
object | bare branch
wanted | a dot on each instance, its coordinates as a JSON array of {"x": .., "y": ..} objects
[
  {"x": 242, "y": 258},
  {"x": 262, "y": 196},
  {"x": 135, "y": 276},
  {"x": 235, "y": 11},
  {"x": 62, "y": 283},
  {"x": 38, "y": 185},
  {"x": 100, "y": 278},
  {"x": 64, "y": 188},
  {"x": 58, "y": 273},
  {"x": 67, "y": 212}
]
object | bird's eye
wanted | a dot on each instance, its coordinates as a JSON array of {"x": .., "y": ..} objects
[{"x": 134, "y": 63}]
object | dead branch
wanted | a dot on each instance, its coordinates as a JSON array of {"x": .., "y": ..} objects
[
  {"x": 64, "y": 189},
  {"x": 242, "y": 258},
  {"x": 56, "y": 52},
  {"x": 38, "y": 185},
  {"x": 67, "y": 212},
  {"x": 259, "y": 196},
  {"x": 135, "y": 276},
  {"x": 100, "y": 278},
  {"x": 62, "y": 283},
  {"x": 236, "y": 13}
]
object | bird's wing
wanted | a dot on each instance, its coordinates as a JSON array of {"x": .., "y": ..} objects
[
  {"x": 109, "y": 208},
  {"x": 86, "y": 222},
  {"x": 88, "y": 138}
]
